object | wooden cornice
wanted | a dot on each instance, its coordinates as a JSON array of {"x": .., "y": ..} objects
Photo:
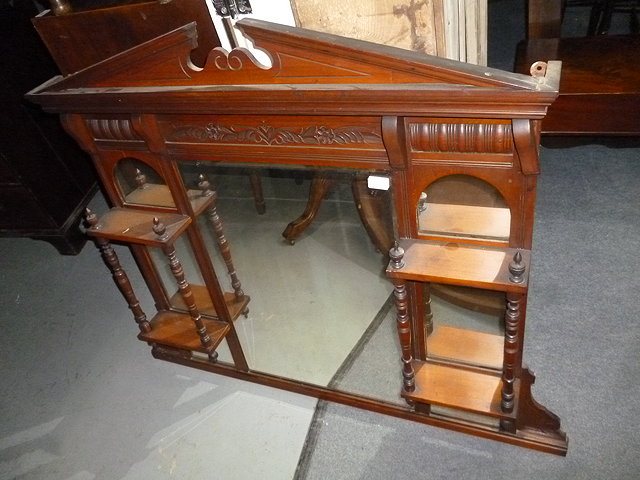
[
  {"x": 299, "y": 57},
  {"x": 311, "y": 73}
]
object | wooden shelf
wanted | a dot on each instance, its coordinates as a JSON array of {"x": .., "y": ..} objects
[
  {"x": 177, "y": 330},
  {"x": 205, "y": 305},
  {"x": 136, "y": 226},
  {"x": 159, "y": 195},
  {"x": 466, "y": 347},
  {"x": 470, "y": 221},
  {"x": 459, "y": 264},
  {"x": 457, "y": 388}
]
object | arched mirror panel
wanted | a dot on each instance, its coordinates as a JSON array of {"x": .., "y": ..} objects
[
  {"x": 463, "y": 206},
  {"x": 140, "y": 184}
]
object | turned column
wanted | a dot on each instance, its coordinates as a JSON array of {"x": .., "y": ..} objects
[
  {"x": 428, "y": 314},
  {"x": 223, "y": 244},
  {"x": 402, "y": 320},
  {"x": 185, "y": 289},
  {"x": 511, "y": 324},
  {"x": 119, "y": 275},
  {"x": 512, "y": 320}
]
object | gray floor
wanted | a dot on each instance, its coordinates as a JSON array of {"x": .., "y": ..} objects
[
  {"x": 582, "y": 342},
  {"x": 82, "y": 398}
]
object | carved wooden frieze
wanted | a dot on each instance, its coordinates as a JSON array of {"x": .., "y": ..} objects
[
  {"x": 461, "y": 137},
  {"x": 271, "y": 135}
]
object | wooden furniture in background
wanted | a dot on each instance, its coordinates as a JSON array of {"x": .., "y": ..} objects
[
  {"x": 330, "y": 102},
  {"x": 45, "y": 179},
  {"x": 603, "y": 12},
  {"x": 94, "y": 30},
  {"x": 600, "y": 85}
]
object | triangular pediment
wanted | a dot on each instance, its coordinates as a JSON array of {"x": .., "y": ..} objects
[{"x": 298, "y": 57}]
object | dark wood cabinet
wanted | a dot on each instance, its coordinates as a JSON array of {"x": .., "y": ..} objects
[
  {"x": 94, "y": 30},
  {"x": 45, "y": 179}
]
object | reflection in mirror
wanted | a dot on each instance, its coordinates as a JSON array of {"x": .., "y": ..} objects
[
  {"x": 140, "y": 184},
  {"x": 191, "y": 272},
  {"x": 463, "y": 206},
  {"x": 320, "y": 310},
  {"x": 467, "y": 326}
]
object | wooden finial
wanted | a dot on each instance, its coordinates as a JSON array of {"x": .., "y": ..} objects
[
  {"x": 159, "y": 228},
  {"x": 204, "y": 185},
  {"x": 517, "y": 268},
  {"x": 60, "y": 7},
  {"x": 395, "y": 254},
  {"x": 141, "y": 179},
  {"x": 91, "y": 219},
  {"x": 422, "y": 202},
  {"x": 538, "y": 69}
]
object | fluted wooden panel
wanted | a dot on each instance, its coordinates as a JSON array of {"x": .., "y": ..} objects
[{"x": 461, "y": 137}]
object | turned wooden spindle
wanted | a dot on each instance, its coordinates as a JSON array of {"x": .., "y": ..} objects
[
  {"x": 517, "y": 268},
  {"x": 511, "y": 347},
  {"x": 428, "y": 314},
  {"x": 185, "y": 289},
  {"x": 117, "y": 272},
  {"x": 218, "y": 228},
  {"x": 404, "y": 334},
  {"x": 401, "y": 299}
]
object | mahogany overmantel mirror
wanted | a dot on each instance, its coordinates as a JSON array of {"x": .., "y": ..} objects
[{"x": 262, "y": 204}]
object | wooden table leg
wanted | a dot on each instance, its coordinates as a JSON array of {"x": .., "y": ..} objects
[
  {"x": 375, "y": 213},
  {"x": 320, "y": 185},
  {"x": 256, "y": 188}
]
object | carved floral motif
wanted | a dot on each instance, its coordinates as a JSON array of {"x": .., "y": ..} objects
[{"x": 268, "y": 135}]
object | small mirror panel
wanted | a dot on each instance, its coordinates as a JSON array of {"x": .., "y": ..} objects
[
  {"x": 140, "y": 184},
  {"x": 463, "y": 206}
]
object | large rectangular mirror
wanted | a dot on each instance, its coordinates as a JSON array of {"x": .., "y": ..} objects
[{"x": 312, "y": 263}]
